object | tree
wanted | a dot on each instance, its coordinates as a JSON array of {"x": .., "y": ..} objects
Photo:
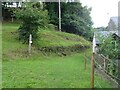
[
  {"x": 33, "y": 18},
  {"x": 52, "y": 8},
  {"x": 109, "y": 46},
  {"x": 6, "y": 11},
  {"x": 75, "y": 18}
]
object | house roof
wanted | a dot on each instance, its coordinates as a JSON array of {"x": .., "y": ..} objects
[
  {"x": 106, "y": 33},
  {"x": 115, "y": 20}
]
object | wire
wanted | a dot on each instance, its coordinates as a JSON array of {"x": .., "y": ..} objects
[
  {"x": 111, "y": 61},
  {"x": 99, "y": 84},
  {"x": 111, "y": 75},
  {"x": 106, "y": 71},
  {"x": 100, "y": 67}
]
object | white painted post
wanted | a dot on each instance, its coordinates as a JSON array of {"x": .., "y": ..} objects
[{"x": 30, "y": 42}]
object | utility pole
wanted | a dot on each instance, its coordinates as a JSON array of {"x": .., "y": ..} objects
[{"x": 59, "y": 16}]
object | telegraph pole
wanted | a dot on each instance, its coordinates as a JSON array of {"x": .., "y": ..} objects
[{"x": 59, "y": 16}]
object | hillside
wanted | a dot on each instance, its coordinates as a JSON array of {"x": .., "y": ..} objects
[
  {"x": 38, "y": 70},
  {"x": 56, "y": 38},
  {"x": 49, "y": 40}
]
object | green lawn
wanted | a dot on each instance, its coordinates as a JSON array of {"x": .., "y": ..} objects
[
  {"x": 52, "y": 72},
  {"x": 43, "y": 71}
]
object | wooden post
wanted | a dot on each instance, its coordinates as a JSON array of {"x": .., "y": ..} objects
[
  {"x": 30, "y": 42},
  {"x": 104, "y": 64},
  {"x": 92, "y": 71},
  {"x": 84, "y": 60},
  {"x": 12, "y": 19},
  {"x": 92, "y": 63}
]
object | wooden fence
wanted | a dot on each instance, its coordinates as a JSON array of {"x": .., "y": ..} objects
[{"x": 109, "y": 67}]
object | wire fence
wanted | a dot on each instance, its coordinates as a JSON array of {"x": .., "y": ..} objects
[
  {"x": 106, "y": 65},
  {"x": 110, "y": 67},
  {"x": 88, "y": 59}
]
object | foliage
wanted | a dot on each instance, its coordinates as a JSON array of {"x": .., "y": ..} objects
[
  {"x": 33, "y": 18},
  {"x": 112, "y": 68},
  {"x": 7, "y": 12},
  {"x": 75, "y": 18},
  {"x": 109, "y": 46},
  {"x": 52, "y": 8}
]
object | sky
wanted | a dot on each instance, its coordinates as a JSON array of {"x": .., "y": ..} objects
[{"x": 102, "y": 10}]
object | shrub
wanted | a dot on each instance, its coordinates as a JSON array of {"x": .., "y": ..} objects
[
  {"x": 33, "y": 18},
  {"x": 109, "y": 47}
]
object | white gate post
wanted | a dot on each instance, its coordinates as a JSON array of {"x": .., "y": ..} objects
[{"x": 30, "y": 42}]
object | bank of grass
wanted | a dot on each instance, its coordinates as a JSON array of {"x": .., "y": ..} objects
[
  {"x": 46, "y": 38},
  {"x": 56, "y": 38},
  {"x": 43, "y": 71}
]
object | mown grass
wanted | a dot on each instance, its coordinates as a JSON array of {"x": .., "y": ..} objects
[
  {"x": 40, "y": 71},
  {"x": 51, "y": 72}
]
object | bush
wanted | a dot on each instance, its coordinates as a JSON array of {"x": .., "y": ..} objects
[
  {"x": 33, "y": 18},
  {"x": 109, "y": 47}
]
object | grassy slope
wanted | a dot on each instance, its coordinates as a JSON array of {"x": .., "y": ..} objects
[
  {"x": 52, "y": 38},
  {"x": 43, "y": 71}
]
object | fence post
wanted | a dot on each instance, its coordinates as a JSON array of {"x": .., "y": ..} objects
[
  {"x": 104, "y": 66},
  {"x": 92, "y": 71}
]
